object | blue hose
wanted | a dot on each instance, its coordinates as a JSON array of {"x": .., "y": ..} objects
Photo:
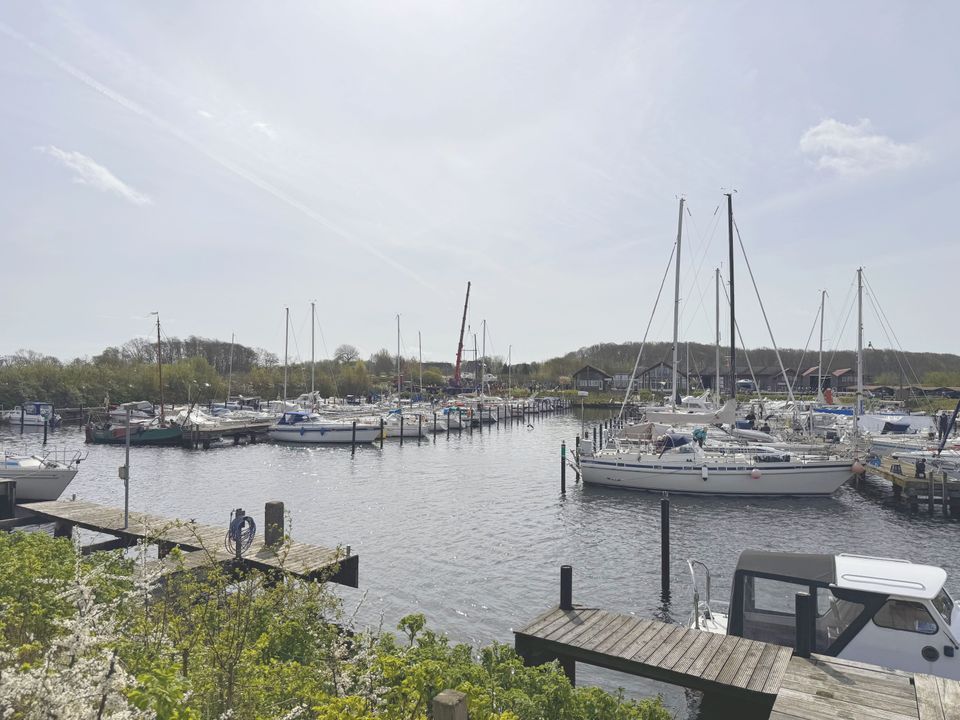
[{"x": 241, "y": 533}]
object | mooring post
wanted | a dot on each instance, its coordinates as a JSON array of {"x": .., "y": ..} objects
[
  {"x": 601, "y": 438},
  {"x": 471, "y": 421},
  {"x": 576, "y": 449},
  {"x": 566, "y": 587},
  {"x": 563, "y": 467},
  {"x": 434, "y": 425},
  {"x": 460, "y": 418},
  {"x": 81, "y": 414},
  {"x": 353, "y": 438},
  {"x": 498, "y": 416},
  {"x": 419, "y": 427},
  {"x": 273, "y": 523},
  {"x": 401, "y": 429},
  {"x": 23, "y": 413},
  {"x": 665, "y": 545},
  {"x": 45, "y": 423},
  {"x": 381, "y": 433},
  {"x": 480, "y": 415},
  {"x": 805, "y": 606},
  {"x": 450, "y": 705}
]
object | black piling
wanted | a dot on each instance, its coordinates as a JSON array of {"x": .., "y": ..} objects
[
  {"x": 23, "y": 413},
  {"x": 576, "y": 449},
  {"x": 563, "y": 467},
  {"x": 419, "y": 427},
  {"x": 434, "y": 425},
  {"x": 45, "y": 432},
  {"x": 381, "y": 433},
  {"x": 353, "y": 438},
  {"x": 665, "y": 546},
  {"x": 806, "y": 606},
  {"x": 401, "y": 429},
  {"x": 273, "y": 523},
  {"x": 566, "y": 587}
]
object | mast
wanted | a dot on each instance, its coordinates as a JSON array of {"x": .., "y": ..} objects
[
  {"x": 857, "y": 407},
  {"x": 676, "y": 311},
  {"x": 733, "y": 317},
  {"x": 313, "y": 369},
  {"x": 716, "y": 388},
  {"x": 483, "y": 358},
  {"x": 476, "y": 365},
  {"x": 398, "y": 360},
  {"x": 420, "y": 349},
  {"x": 230, "y": 371},
  {"x": 286, "y": 345},
  {"x": 159, "y": 369},
  {"x": 510, "y": 371},
  {"x": 823, "y": 296},
  {"x": 463, "y": 325}
]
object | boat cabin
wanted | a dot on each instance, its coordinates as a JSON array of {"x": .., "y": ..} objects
[
  {"x": 294, "y": 417},
  {"x": 882, "y": 611}
]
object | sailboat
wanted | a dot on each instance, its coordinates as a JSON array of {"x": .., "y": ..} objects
[
  {"x": 146, "y": 431},
  {"x": 673, "y": 463}
]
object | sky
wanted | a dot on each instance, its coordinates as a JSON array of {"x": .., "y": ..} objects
[{"x": 220, "y": 161}]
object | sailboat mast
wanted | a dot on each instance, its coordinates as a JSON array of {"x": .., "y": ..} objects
[
  {"x": 510, "y": 371},
  {"x": 313, "y": 359},
  {"x": 716, "y": 388},
  {"x": 420, "y": 350},
  {"x": 823, "y": 297},
  {"x": 476, "y": 365},
  {"x": 160, "y": 369},
  {"x": 857, "y": 408},
  {"x": 483, "y": 361},
  {"x": 286, "y": 347},
  {"x": 398, "y": 360},
  {"x": 733, "y": 317},
  {"x": 676, "y": 310},
  {"x": 230, "y": 370}
]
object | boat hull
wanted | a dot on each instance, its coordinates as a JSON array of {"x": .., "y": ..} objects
[
  {"x": 775, "y": 479},
  {"x": 324, "y": 433},
  {"x": 35, "y": 484},
  {"x": 116, "y": 435}
]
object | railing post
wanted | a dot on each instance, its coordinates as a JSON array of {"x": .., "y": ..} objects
[
  {"x": 805, "y": 611},
  {"x": 566, "y": 587},
  {"x": 450, "y": 705}
]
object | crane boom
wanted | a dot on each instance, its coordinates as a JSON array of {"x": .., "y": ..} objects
[{"x": 463, "y": 326}]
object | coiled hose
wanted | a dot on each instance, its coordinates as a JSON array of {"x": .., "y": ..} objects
[{"x": 241, "y": 533}]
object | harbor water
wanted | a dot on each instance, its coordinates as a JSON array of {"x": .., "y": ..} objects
[{"x": 471, "y": 529}]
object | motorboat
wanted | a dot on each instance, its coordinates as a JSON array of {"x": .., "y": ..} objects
[
  {"x": 41, "y": 477},
  {"x": 881, "y": 611},
  {"x": 297, "y": 426},
  {"x": 34, "y": 414}
]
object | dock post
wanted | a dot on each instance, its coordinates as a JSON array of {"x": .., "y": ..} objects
[
  {"x": 665, "y": 546},
  {"x": 805, "y": 605},
  {"x": 600, "y": 443},
  {"x": 401, "y": 429},
  {"x": 471, "y": 420},
  {"x": 498, "y": 416},
  {"x": 23, "y": 412},
  {"x": 566, "y": 587},
  {"x": 944, "y": 498},
  {"x": 353, "y": 438},
  {"x": 273, "y": 523},
  {"x": 480, "y": 416},
  {"x": 563, "y": 467},
  {"x": 576, "y": 449},
  {"x": 45, "y": 423},
  {"x": 460, "y": 418},
  {"x": 81, "y": 414},
  {"x": 930, "y": 493},
  {"x": 381, "y": 433},
  {"x": 434, "y": 425},
  {"x": 419, "y": 427},
  {"x": 450, "y": 705}
]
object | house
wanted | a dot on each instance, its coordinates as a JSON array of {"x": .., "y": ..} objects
[
  {"x": 591, "y": 379},
  {"x": 843, "y": 379},
  {"x": 657, "y": 377},
  {"x": 621, "y": 380}
]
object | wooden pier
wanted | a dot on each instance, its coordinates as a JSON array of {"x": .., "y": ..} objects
[
  {"x": 766, "y": 680},
  {"x": 935, "y": 487},
  {"x": 200, "y": 436},
  {"x": 202, "y": 544}
]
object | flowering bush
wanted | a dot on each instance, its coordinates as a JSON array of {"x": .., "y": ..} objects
[{"x": 108, "y": 637}]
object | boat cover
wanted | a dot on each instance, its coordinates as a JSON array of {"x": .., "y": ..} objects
[{"x": 801, "y": 566}]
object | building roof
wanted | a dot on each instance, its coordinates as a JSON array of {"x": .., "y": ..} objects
[
  {"x": 586, "y": 368},
  {"x": 810, "y": 371},
  {"x": 841, "y": 371}
]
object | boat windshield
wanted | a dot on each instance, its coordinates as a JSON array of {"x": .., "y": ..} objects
[{"x": 944, "y": 605}]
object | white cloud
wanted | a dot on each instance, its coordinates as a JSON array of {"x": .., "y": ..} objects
[
  {"x": 856, "y": 149},
  {"x": 205, "y": 114},
  {"x": 265, "y": 129},
  {"x": 89, "y": 172}
]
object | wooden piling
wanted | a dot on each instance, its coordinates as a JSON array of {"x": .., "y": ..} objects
[
  {"x": 566, "y": 587},
  {"x": 419, "y": 427},
  {"x": 665, "y": 546},
  {"x": 401, "y": 429},
  {"x": 273, "y": 523},
  {"x": 563, "y": 467},
  {"x": 381, "y": 433},
  {"x": 45, "y": 423},
  {"x": 353, "y": 438},
  {"x": 450, "y": 705},
  {"x": 806, "y": 607}
]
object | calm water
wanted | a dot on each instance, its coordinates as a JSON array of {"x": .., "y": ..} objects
[{"x": 471, "y": 530}]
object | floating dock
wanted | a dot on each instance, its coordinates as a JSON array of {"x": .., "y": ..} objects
[
  {"x": 202, "y": 544},
  {"x": 934, "y": 487},
  {"x": 769, "y": 680}
]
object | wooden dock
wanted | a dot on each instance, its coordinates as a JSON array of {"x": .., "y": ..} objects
[
  {"x": 200, "y": 436},
  {"x": 765, "y": 680},
  {"x": 936, "y": 487},
  {"x": 201, "y": 543}
]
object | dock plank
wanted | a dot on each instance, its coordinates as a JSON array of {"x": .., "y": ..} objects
[
  {"x": 683, "y": 663},
  {"x": 705, "y": 657},
  {"x": 624, "y": 642},
  {"x": 929, "y": 702}
]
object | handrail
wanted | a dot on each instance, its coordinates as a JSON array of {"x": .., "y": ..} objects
[{"x": 696, "y": 590}]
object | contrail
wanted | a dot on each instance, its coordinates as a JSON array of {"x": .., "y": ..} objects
[{"x": 240, "y": 172}]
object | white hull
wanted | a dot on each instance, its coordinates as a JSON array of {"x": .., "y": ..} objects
[
  {"x": 410, "y": 429},
  {"x": 788, "y": 479},
  {"x": 326, "y": 433},
  {"x": 35, "y": 484}
]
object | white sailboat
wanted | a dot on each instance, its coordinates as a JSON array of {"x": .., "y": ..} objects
[{"x": 670, "y": 464}]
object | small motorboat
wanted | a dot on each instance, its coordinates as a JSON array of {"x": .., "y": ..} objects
[
  {"x": 297, "y": 426},
  {"x": 41, "y": 477},
  {"x": 34, "y": 414},
  {"x": 881, "y": 611}
]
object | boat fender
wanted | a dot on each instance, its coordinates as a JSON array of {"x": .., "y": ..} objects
[
  {"x": 704, "y": 473},
  {"x": 755, "y": 474},
  {"x": 857, "y": 468}
]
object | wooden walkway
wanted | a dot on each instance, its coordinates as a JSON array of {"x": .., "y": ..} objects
[
  {"x": 300, "y": 559},
  {"x": 768, "y": 679},
  {"x": 660, "y": 651},
  {"x": 825, "y": 687},
  {"x": 936, "y": 488}
]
